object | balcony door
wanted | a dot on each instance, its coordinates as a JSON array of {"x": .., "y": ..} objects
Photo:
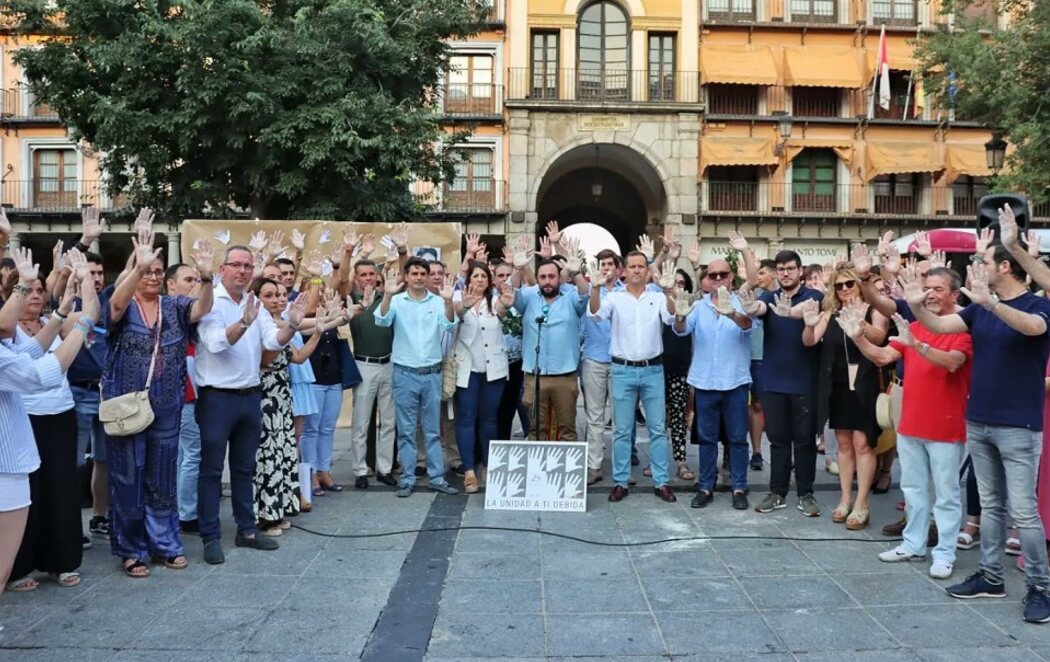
[
  {"x": 473, "y": 187},
  {"x": 54, "y": 178},
  {"x": 469, "y": 89},
  {"x": 603, "y": 59},
  {"x": 813, "y": 180}
]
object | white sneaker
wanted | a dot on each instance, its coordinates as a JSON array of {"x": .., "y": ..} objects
[
  {"x": 941, "y": 569},
  {"x": 898, "y": 554},
  {"x": 832, "y": 468}
]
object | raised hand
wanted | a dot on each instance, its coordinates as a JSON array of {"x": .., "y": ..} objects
[
  {"x": 91, "y": 224},
  {"x": 471, "y": 297},
  {"x": 645, "y": 245},
  {"x": 984, "y": 240},
  {"x": 781, "y": 305},
  {"x": 978, "y": 291},
  {"x": 58, "y": 260},
  {"x": 522, "y": 255},
  {"x": 810, "y": 312},
  {"x": 939, "y": 259},
  {"x": 298, "y": 239},
  {"x": 77, "y": 264},
  {"x": 667, "y": 276},
  {"x": 1032, "y": 239},
  {"x": 5, "y": 225},
  {"x": 862, "y": 261},
  {"x": 204, "y": 258},
  {"x": 448, "y": 287},
  {"x": 351, "y": 238},
  {"x": 694, "y": 255},
  {"x": 1008, "y": 230},
  {"x": 276, "y": 243},
  {"x": 90, "y": 308},
  {"x": 392, "y": 282},
  {"x": 922, "y": 244},
  {"x": 724, "y": 302},
  {"x": 399, "y": 235},
  {"x": 553, "y": 232},
  {"x": 914, "y": 293},
  {"x": 507, "y": 294},
  {"x": 508, "y": 255},
  {"x": 851, "y": 321},
  {"x": 368, "y": 245},
  {"x": 391, "y": 254},
  {"x": 891, "y": 261},
  {"x": 473, "y": 243},
  {"x": 737, "y": 241},
  {"x": 251, "y": 308},
  {"x": 546, "y": 250},
  {"x": 574, "y": 257},
  {"x": 144, "y": 221},
  {"x": 314, "y": 264},
  {"x": 369, "y": 297},
  {"x": 258, "y": 242},
  {"x": 145, "y": 254},
  {"x": 885, "y": 241},
  {"x": 904, "y": 336},
  {"x": 748, "y": 302},
  {"x": 674, "y": 250},
  {"x": 683, "y": 303},
  {"x": 27, "y": 271}
]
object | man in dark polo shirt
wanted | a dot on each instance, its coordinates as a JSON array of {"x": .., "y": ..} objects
[
  {"x": 789, "y": 383},
  {"x": 372, "y": 347}
]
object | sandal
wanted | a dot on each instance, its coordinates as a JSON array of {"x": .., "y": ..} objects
[
  {"x": 332, "y": 487},
  {"x": 684, "y": 473},
  {"x": 66, "y": 579},
  {"x": 470, "y": 483},
  {"x": 841, "y": 513},
  {"x": 648, "y": 471},
  {"x": 179, "y": 562},
  {"x": 23, "y": 585},
  {"x": 857, "y": 520},
  {"x": 1013, "y": 546},
  {"x": 135, "y": 568},
  {"x": 967, "y": 540},
  {"x": 879, "y": 487},
  {"x": 318, "y": 491}
]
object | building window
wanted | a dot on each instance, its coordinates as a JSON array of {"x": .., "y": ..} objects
[
  {"x": 967, "y": 191},
  {"x": 469, "y": 89},
  {"x": 661, "y": 67},
  {"x": 813, "y": 11},
  {"x": 730, "y": 99},
  {"x": 815, "y": 101},
  {"x": 813, "y": 180},
  {"x": 473, "y": 187},
  {"x": 893, "y": 12},
  {"x": 544, "y": 65},
  {"x": 897, "y": 194},
  {"x": 55, "y": 178},
  {"x": 901, "y": 97},
  {"x": 732, "y": 188},
  {"x": 603, "y": 58},
  {"x": 730, "y": 10}
]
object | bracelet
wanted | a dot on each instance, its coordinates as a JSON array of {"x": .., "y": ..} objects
[
  {"x": 83, "y": 327},
  {"x": 20, "y": 289},
  {"x": 243, "y": 325},
  {"x": 402, "y": 251},
  {"x": 59, "y": 315},
  {"x": 82, "y": 247}
]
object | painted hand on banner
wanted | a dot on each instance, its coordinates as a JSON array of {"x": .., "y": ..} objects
[
  {"x": 573, "y": 460},
  {"x": 497, "y": 455},
  {"x": 555, "y": 457},
  {"x": 497, "y": 483},
  {"x": 537, "y": 462},
  {"x": 514, "y": 485},
  {"x": 572, "y": 490},
  {"x": 517, "y": 459},
  {"x": 552, "y": 489}
]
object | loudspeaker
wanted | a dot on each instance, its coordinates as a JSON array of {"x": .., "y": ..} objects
[{"x": 989, "y": 206}]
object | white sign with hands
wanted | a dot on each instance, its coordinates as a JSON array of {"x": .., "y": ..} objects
[{"x": 537, "y": 475}]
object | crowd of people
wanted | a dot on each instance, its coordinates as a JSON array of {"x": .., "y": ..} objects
[{"x": 863, "y": 360}]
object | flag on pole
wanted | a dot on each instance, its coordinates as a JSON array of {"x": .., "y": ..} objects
[{"x": 883, "y": 70}]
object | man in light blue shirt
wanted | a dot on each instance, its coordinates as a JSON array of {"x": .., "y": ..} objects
[
  {"x": 721, "y": 374},
  {"x": 595, "y": 369},
  {"x": 420, "y": 319},
  {"x": 551, "y": 315}
]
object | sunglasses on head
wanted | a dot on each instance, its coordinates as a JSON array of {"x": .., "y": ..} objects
[
  {"x": 717, "y": 275},
  {"x": 845, "y": 285}
]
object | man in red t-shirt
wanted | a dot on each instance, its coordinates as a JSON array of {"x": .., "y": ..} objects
[{"x": 931, "y": 435}]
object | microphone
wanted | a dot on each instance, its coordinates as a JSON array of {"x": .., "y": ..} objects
[{"x": 541, "y": 319}]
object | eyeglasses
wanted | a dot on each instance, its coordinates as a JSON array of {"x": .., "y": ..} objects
[
  {"x": 845, "y": 285},
  {"x": 240, "y": 265},
  {"x": 156, "y": 273},
  {"x": 787, "y": 270},
  {"x": 717, "y": 275}
]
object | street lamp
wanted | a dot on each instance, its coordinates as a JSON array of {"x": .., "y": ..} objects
[
  {"x": 995, "y": 152},
  {"x": 784, "y": 124}
]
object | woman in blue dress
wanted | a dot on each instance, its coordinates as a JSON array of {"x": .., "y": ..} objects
[{"x": 144, "y": 518}]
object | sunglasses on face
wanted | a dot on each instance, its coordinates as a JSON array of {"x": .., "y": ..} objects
[
  {"x": 845, "y": 285},
  {"x": 718, "y": 275}
]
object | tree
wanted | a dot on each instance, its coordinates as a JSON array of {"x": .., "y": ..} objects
[
  {"x": 1001, "y": 78},
  {"x": 285, "y": 108}
]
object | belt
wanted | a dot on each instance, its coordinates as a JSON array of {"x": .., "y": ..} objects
[
  {"x": 656, "y": 360},
  {"x": 91, "y": 386},
  {"x": 251, "y": 390},
  {"x": 368, "y": 359},
  {"x": 426, "y": 370}
]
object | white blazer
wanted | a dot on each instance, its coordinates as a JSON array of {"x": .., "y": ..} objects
[{"x": 486, "y": 328}]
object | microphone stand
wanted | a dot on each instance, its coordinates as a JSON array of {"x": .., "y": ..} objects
[{"x": 536, "y": 374}]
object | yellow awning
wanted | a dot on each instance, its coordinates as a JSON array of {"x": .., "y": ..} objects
[
  {"x": 822, "y": 67},
  {"x": 736, "y": 152},
  {"x": 900, "y": 60},
  {"x": 724, "y": 63},
  {"x": 966, "y": 159},
  {"x": 887, "y": 158},
  {"x": 842, "y": 148}
]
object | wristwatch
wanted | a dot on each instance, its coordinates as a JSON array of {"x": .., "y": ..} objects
[
  {"x": 924, "y": 349},
  {"x": 243, "y": 325}
]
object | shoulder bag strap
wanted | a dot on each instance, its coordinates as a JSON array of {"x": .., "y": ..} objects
[{"x": 156, "y": 345}]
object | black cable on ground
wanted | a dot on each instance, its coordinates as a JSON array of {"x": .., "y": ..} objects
[{"x": 600, "y": 543}]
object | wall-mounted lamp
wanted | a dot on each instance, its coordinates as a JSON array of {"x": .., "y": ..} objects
[
  {"x": 784, "y": 124},
  {"x": 995, "y": 152}
]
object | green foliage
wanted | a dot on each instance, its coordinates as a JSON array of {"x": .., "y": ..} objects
[
  {"x": 286, "y": 108},
  {"x": 1003, "y": 81}
]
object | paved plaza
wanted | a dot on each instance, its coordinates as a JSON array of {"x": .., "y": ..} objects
[{"x": 501, "y": 595}]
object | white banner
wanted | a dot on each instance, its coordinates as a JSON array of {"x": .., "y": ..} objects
[{"x": 537, "y": 475}]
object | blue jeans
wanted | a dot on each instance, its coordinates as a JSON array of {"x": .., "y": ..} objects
[
  {"x": 189, "y": 462},
  {"x": 628, "y": 386},
  {"x": 319, "y": 429},
  {"x": 920, "y": 461},
  {"x": 418, "y": 399},
  {"x": 477, "y": 408},
  {"x": 89, "y": 428},
  {"x": 1006, "y": 463},
  {"x": 234, "y": 420},
  {"x": 712, "y": 409}
]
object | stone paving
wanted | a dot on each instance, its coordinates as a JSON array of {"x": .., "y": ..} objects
[{"x": 502, "y": 595}]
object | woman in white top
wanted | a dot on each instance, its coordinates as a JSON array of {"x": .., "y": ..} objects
[{"x": 481, "y": 373}]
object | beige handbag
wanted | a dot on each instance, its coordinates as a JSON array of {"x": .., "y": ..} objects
[{"x": 131, "y": 413}]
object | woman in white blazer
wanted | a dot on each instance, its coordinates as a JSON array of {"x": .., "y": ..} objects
[{"x": 481, "y": 374}]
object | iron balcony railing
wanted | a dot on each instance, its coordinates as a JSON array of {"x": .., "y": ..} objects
[
  {"x": 16, "y": 104},
  {"x": 472, "y": 100},
  {"x": 588, "y": 85},
  {"x": 57, "y": 195},
  {"x": 473, "y": 195},
  {"x": 877, "y": 198}
]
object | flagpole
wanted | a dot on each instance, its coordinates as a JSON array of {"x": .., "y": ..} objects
[
  {"x": 871, "y": 97},
  {"x": 907, "y": 97}
]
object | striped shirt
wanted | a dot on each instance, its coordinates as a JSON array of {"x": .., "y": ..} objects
[{"x": 23, "y": 369}]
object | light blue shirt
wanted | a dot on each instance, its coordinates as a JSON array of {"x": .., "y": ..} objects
[
  {"x": 721, "y": 349},
  {"x": 597, "y": 332},
  {"x": 419, "y": 329},
  {"x": 24, "y": 369},
  {"x": 560, "y": 349}
]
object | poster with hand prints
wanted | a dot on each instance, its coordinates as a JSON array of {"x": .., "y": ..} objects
[{"x": 537, "y": 475}]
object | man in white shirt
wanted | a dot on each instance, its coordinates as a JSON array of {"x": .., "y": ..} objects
[
  {"x": 229, "y": 402},
  {"x": 637, "y": 314}
]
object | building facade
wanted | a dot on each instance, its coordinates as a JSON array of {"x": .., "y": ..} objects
[{"x": 710, "y": 115}]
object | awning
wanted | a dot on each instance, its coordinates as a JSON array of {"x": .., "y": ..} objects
[
  {"x": 966, "y": 159},
  {"x": 842, "y": 148},
  {"x": 822, "y": 67},
  {"x": 887, "y": 158},
  {"x": 742, "y": 64},
  {"x": 736, "y": 152},
  {"x": 900, "y": 60}
]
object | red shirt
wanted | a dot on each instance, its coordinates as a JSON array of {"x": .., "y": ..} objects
[
  {"x": 191, "y": 394},
  {"x": 934, "y": 405}
]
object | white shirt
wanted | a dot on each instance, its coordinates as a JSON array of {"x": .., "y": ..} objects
[
  {"x": 221, "y": 364},
  {"x": 23, "y": 369},
  {"x": 52, "y": 401},
  {"x": 637, "y": 323}
]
